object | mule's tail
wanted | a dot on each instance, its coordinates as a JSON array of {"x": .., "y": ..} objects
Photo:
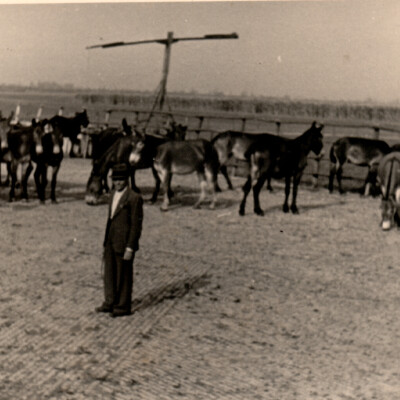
[{"x": 332, "y": 155}]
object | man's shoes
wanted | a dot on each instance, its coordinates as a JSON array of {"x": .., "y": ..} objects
[
  {"x": 104, "y": 309},
  {"x": 120, "y": 313}
]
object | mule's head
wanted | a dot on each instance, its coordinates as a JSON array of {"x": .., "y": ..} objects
[
  {"x": 137, "y": 146},
  {"x": 316, "y": 138},
  {"x": 176, "y": 131},
  {"x": 55, "y": 134},
  {"x": 37, "y": 134},
  {"x": 126, "y": 128},
  {"x": 94, "y": 189},
  {"x": 4, "y": 129},
  {"x": 83, "y": 118}
]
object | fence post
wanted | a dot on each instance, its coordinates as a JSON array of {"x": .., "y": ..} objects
[
  {"x": 278, "y": 127},
  {"x": 243, "y": 124},
  {"x": 107, "y": 117},
  {"x": 201, "y": 120},
  {"x": 136, "y": 119},
  {"x": 376, "y": 132}
]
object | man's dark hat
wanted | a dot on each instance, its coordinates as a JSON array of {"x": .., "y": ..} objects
[{"x": 120, "y": 171}]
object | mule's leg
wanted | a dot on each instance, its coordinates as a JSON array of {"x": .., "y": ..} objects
[
  {"x": 203, "y": 189},
  {"x": 332, "y": 174},
  {"x": 246, "y": 190},
  {"x": 165, "y": 180},
  {"x": 296, "y": 182},
  {"x": 53, "y": 182},
  {"x": 170, "y": 191},
  {"x": 26, "y": 171},
  {"x": 256, "y": 194},
  {"x": 224, "y": 172},
  {"x": 211, "y": 179},
  {"x": 38, "y": 181},
  {"x": 157, "y": 186},
  {"x": 133, "y": 182},
  {"x": 285, "y": 207},
  {"x": 13, "y": 174},
  {"x": 370, "y": 181},
  {"x": 339, "y": 174},
  {"x": 269, "y": 186}
]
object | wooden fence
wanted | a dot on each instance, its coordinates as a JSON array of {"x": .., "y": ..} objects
[{"x": 208, "y": 124}]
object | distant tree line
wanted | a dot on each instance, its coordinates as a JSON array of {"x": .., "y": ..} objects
[{"x": 266, "y": 106}]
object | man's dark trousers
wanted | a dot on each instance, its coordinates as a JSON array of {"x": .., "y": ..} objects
[{"x": 118, "y": 281}]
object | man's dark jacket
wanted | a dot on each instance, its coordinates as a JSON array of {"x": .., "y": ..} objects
[{"x": 124, "y": 228}]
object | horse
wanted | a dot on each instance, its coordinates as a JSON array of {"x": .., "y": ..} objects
[
  {"x": 358, "y": 151},
  {"x": 23, "y": 142},
  {"x": 70, "y": 127},
  {"x": 231, "y": 144},
  {"x": 280, "y": 158},
  {"x": 186, "y": 157},
  {"x": 51, "y": 155},
  {"x": 388, "y": 178}
]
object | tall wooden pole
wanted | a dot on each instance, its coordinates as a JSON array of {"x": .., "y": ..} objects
[{"x": 167, "y": 58}]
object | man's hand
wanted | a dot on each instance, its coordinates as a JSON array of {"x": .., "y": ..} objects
[{"x": 128, "y": 254}]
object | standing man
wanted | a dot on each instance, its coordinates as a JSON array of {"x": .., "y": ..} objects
[{"x": 121, "y": 241}]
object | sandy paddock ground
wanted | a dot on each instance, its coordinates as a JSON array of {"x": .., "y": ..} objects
[{"x": 226, "y": 307}]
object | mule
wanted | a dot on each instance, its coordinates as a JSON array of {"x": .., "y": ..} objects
[
  {"x": 389, "y": 181},
  {"x": 50, "y": 156},
  {"x": 231, "y": 144},
  {"x": 280, "y": 157},
  {"x": 4, "y": 129},
  {"x": 70, "y": 127},
  {"x": 186, "y": 157},
  {"x": 102, "y": 140},
  {"x": 137, "y": 151},
  {"x": 23, "y": 142},
  {"x": 358, "y": 151}
]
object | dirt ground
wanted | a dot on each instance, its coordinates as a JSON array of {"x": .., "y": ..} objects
[{"x": 226, "y": 307}]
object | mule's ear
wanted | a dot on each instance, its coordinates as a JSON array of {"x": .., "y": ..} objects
[{"x": 34, "y": 123}]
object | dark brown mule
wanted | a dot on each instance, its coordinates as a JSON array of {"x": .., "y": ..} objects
[
  {"x": 389, "y": 182},
  {"x": 102, "y": 140},
  {"x": 70, "y": 127},
  {"x": 280, "y": 158},
  {"x": 358, "y": 151},
  {"x": 186, "y": 157},
  {"x": 50, "y": 156},
  {"x": 137, "y": 150},
  {"x": 4, "y": 129},
  {"x": 234, "y": 144},
  {"x": 23, "y": 144}
]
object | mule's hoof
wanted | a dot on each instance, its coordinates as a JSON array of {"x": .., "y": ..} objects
[
  {"x": 241, "y": 212},
  {"x": 285, "y": 208},
  {"x": 212, "y": 206},
  {"x": 295, "y": 210},
  {"x": 196, "y": 207},
  {"x": 259, "y": 212},
  {"x": 164, "y": 209}
]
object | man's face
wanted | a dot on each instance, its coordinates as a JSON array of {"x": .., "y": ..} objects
[{"x": 120, "y": 184}]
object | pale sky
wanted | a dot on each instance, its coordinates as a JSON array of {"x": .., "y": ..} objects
[{"x": 328, "y": 50}]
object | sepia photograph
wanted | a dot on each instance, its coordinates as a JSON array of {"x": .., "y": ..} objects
[{"x": 200, "y": 200}]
